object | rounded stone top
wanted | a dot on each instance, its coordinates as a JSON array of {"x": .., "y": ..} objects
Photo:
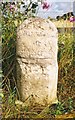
[
  {"x": 37, "y": 23},
  {"x": 37, "y": 38}
]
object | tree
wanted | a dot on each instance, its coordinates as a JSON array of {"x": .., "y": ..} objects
[
  {"x": 64, "y": 16},
  {"x": 58, "y": 17}
]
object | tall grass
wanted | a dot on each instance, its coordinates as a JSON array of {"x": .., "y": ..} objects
[{"x": 66, "y": 53}]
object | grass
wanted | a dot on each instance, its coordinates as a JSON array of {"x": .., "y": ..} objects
[
  {"x": 11, "y": 108},
  {"x": 64, "y": 24},
  {"x": 66, "y": 84}
]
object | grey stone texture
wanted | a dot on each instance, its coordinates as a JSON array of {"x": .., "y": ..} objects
[{"x": 37, "y": 67}]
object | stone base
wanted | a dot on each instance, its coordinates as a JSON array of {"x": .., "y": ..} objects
[{"x": 37, "y": 83}]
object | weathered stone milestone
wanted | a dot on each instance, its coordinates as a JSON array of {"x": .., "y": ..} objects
[{"x": 37, "y": 68}]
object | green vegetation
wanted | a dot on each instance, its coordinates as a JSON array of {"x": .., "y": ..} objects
[
  {"x": 66, "y": 85},
  {"x": 65, "y": 16}
]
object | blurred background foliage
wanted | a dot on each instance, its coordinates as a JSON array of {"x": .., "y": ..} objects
[{"x": 11, "y": 18}]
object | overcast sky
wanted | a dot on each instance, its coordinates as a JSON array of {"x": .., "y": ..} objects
[{"x": 58, "y": 7}]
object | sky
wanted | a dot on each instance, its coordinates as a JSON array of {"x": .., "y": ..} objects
[{"x": 58, "y": 7}]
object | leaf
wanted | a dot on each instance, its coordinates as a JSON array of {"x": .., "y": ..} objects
[{"x": 1, "y": 95}]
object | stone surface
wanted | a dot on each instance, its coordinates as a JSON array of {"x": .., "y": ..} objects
[{"x": 37, "y": 68}]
